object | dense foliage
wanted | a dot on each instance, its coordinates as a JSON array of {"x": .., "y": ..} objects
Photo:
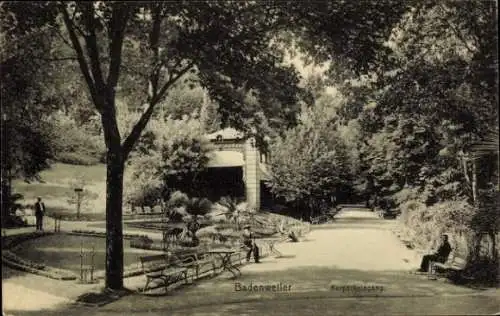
[
  {"x": 421, "y": 112},
  {"x": 168, "y": 157},
  {"x": 418, "y": 81},
  {"x": 310, "y": 164}
]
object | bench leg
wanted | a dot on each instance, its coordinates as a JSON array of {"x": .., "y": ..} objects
[
  {"x": 274, "y": 251},
  {"x": 147, "y": 283},
  {"x": 431, "y": 271},
  {"x": 166, "y": 280},
  {"x": 197, "y": 271},
  {"x": 185, "y": 276},
  {"x": 233, "y": 270}
]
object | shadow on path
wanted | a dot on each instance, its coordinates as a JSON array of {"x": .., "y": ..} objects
[
  {"x": 344, "y": 268},
  {"x": 316, "y": 290}
]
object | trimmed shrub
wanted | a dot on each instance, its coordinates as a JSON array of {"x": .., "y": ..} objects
[
  {"x": 142, "y": 242},
  {"x": 177, "y": 214},
  {"x": 199, "y": 206},
  {"x": 178, "y": 199},
  {"x": 74, "y": 158}
]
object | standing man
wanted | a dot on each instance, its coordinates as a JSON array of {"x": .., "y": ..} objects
[
  {"x": 249, "y": 242},
  {"x": 39, "y": 213}
]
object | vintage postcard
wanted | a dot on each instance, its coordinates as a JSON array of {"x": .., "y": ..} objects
[{"x": 249, "y": 157}]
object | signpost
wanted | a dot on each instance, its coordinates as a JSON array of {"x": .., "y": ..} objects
[{"x": 78, "y": 192}]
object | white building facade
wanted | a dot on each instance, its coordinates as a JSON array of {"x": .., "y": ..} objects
[{"x": 233, "y": 150}]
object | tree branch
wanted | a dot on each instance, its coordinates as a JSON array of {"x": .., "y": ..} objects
[
  {"x": 92, "y": 47},
  {"x": 455, "y": 30},
  {"x": 171, "y": 81},
  {"x": 154, "y": 39},
  {"x": 134, "y": 135},
  {"x": 77, "y": 28},
  {"x": 73, "y": 58},
  {"x": 119, "y": 20},
  {"x": 58, "y": 33},
  {"x": 80, "y": 55}
]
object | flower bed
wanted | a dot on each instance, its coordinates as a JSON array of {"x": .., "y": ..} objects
[
  {"x": 132, "y": 216},
  {"x": 16, "y": 262},
  {"x": 93, "y": 233},
  {"x": 142, "y": 242},
  {"x": 62, "y": 253}
]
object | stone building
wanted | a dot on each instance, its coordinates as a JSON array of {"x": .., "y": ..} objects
[{"x": 236, "y": 167}]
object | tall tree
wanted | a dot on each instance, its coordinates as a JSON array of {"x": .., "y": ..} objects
[
  {"x": 309, "y": 165},
  {"x": 26, "y": 140},
  {"x": 138, "y": 51},
  {"x": 225, "y": 43}
]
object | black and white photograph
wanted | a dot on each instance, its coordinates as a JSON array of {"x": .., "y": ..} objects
[{"x": 267, "y": 157}]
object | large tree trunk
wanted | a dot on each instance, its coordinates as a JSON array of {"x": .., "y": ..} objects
[
  {"x": 115, "y": 161},
  {"x": 114, "y": 226}
]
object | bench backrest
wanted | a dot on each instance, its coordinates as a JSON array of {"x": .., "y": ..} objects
[
  {"x": 154, "y": 262},
  {"x": 459, "y": 262},
  {"x": 181, "y": 258},
  {"x": 457, "y": 259}
]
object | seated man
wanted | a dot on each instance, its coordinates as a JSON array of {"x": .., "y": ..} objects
[
  {"x": 249, "y": 242},
  {"x": 441, "y": 255},
  {"x": 193, "y": 226}
]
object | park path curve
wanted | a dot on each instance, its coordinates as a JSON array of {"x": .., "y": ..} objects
[
  {"x": 358, "y": 239},
  {"x": 358, "y": 248}
]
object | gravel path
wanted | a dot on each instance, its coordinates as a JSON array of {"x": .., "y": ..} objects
[
  {"x": 356, "y": 240},
  {"x": 358, "y": 250}
]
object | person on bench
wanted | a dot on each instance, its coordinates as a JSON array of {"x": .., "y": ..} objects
[
  {"x": 441, "y": 255},
  {"x": 249, "y": 242}
]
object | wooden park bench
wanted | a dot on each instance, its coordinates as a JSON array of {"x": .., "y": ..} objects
[
  {"x": 195, "y": 261},
  {"x": 323, "y": 218},
  {"x": 452, "y": 268},
  {"x": 159, "y": 267}
]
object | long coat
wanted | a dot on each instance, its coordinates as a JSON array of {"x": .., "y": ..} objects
[{"x": 39, "y": 209}]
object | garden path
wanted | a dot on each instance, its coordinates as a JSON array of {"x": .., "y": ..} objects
[{"x": 358, "y": 249}]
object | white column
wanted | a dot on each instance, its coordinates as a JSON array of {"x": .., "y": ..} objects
[{"x": 252, "y": 174}]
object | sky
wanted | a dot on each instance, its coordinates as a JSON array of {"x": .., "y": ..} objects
[{"x": 308, "y": 70}]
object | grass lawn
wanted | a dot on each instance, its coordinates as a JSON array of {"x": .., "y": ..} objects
[
  {"x": 63, "y": 251},
  {"x": 61, "y": 171},
  {"x": 320, "y": 270},
  {"x": 57, "y": 189}
]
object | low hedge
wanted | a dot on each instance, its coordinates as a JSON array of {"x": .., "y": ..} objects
[
  {"x": 73, "y": 158},
  {"x": 53, "y": 273},
  {"x": 14, "y": 240},
  {"x": 142, "y": 242}
]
